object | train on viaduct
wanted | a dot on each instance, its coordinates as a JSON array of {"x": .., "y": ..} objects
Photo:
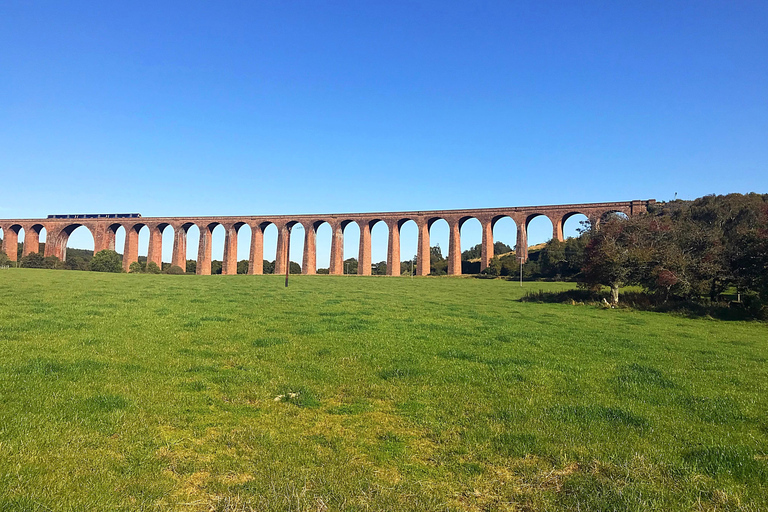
[{"x": 104, "y": 229}]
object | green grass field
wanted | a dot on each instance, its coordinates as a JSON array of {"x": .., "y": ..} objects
[{"x": 142, "y": 392}]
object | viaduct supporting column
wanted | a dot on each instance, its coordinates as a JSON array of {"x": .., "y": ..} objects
[
  {"x": 59, "y": 245},
  {"x": 203, "y": 267},
  {"x": 100, "y": 238},
  {"x": 522, "y": 241},
  {"x": 131, "y": 252},
  {"x": 557, "y": 229},
  {"x": 454, "y": 250},
  {"x": 11, "y": 243},
  {"x": 155, "y": 249},
  {"x": 51, "y": 242},
  {"x": 423, "y": 260},
  {"x": 179, "y": 256},
  {"x": 111, "y": 239},
  {"x": 486, "y": 245},
  {"x": 364, "y": 253},
  {"x": 309, "y": 258},
  {"x": 256, "y": 257},
  {"x": 229, "y": 262},
  {"x": 337, "y": 251},
  {"x": 282, "y": 250},
  {"x": 393, "y": 250},
  {"x": 31, "y": 241}
]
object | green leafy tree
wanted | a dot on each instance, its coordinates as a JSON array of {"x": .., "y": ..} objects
[
  {"x": 216, "y": 267},
  {"x": 76, "y": 263},
  {"x": 153, "y": 268},
  {"x": 106, "y": 261},
  {"x": 191, "y": 267},
  {"x": 242, "y": 267},
  {"x": 175, "y": 270},
  {"x": 136, "y": 268},
  {"x": 350, "y": 266},
  {"x": 33, "y": 260}
]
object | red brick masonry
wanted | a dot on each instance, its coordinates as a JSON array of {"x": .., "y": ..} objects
[{"x": 103, "y": 231}]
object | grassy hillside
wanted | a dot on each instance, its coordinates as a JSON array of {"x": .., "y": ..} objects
[{"x": 158, "y": 392}]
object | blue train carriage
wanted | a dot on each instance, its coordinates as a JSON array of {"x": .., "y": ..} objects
[{"x": 97, "y": 216}]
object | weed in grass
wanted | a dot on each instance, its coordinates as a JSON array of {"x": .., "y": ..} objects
[
  {"x": 269, "y": 341},
  {"x": 593, "y": 415},
  {"x": 738, "y": 462}
]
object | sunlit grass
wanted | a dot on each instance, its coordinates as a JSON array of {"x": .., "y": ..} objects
[{"x": 143, "y": 392}]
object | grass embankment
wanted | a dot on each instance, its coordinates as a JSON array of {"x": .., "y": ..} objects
[{"x": 143, "y": 392}]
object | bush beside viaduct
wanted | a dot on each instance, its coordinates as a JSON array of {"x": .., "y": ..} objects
[{"x": 105, "y": 229}]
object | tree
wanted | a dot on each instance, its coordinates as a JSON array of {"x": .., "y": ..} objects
[
  {"x": 350, "y": 266},
  {"x": 106, "y": 261},
  {"x": 216, "y": 267},
  {"x": 607, "y": 257},
  {"x": 52, "y": 262},
  {"x": 438, "y": 266},
  {"x": 76, "y": 263},
  {"x": 242, "y": 267},
  {"x": 153, "y": 268},
  {"x": 175, "y": 270},
  {"x": 135, "y": 268},
  {"x": 191, "y": 267},
  {"x": 33, "y": 260},
  {"x": 5, "y": 261},
  {"x": 379, "y": 269}
]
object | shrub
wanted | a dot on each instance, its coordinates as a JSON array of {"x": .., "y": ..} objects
[
  {"x": 135, "y": 268},
  {"x": 152, "y": 268},
  {"x": 175, "y": 270},
  {"x": 33, "y": 260},
  {"x": 106, "y": 261},
  {"x": 4, "y": 259}
]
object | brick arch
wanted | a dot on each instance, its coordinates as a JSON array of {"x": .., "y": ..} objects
[
  {"x": 560, "y": 228},
  {"x": 57, "y": 237},
  {"x": 155, "y": 248},
  {"x": 204, "y": 248},
  {"x": 364, "y": 258},
  {"x": 11, "y": 241},
  {"x": 131, "y": 252},
  {"x": 600, "y": 216},
  {"x": 32, "y": 238}
]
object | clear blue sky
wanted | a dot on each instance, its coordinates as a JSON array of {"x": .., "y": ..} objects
[{"x": 225, "y": 108}]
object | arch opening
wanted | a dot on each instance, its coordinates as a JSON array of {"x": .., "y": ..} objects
[
  {"x": 379, "y": 245},
  {"x": 192, "y": 241},
  {"x": 244, "y": 236},
  {"x": 439, "y": 246},
  {"x": 409, "y": 245},
  {"x": 504, "y": 230},
  {"x": 78, "y": 247},
  {"x": 269, "y": 254},
  {"x": 471, "y": 233},
  {"x": 323, "y": 241},
  {"x": 574, "y": 224},
  {"x": 539, "y": 229},
  {"x": 351, "y": 246},
  {"x": 167, "y": 233},
  {"x": 296, "y": 247}
]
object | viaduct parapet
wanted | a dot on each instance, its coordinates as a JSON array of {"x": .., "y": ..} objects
[{"x": 105, "y": 229}]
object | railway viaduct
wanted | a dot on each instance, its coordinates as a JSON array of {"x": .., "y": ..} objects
[{"x": 104, "y": 231}]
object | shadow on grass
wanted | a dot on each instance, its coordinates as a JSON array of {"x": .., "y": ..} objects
[{"x": 748, "y": 310}]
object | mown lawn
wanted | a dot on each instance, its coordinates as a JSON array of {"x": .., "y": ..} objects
[{"x": 142, "y": 392}]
